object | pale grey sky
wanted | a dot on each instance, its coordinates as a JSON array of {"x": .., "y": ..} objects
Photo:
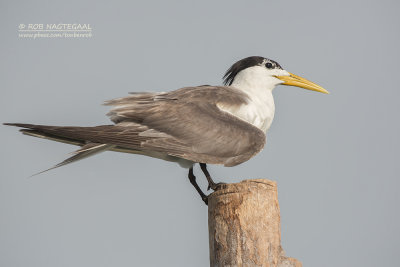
[{"x": 335, "y": 157}]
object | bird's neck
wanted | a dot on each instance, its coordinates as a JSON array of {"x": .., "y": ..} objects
[{"x": 260, "y": 109}]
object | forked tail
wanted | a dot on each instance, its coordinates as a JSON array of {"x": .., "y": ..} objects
[{"x": 68, "y": 135}]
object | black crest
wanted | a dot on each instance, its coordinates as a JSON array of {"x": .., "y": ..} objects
[{"x": 244, "y": 64}]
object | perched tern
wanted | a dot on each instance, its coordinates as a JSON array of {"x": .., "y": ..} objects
[{"x": 224, "y": 125}]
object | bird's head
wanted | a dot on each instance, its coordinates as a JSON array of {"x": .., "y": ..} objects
[{"x": 264, "y": 73}]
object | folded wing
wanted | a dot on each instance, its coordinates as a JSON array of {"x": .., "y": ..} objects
[{"x": 188, "y": 124}]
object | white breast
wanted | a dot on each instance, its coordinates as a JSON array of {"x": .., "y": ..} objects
[{"x": 258, "y": 112}]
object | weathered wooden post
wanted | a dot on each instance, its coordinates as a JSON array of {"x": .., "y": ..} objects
[{"x": 244, "y": 226}]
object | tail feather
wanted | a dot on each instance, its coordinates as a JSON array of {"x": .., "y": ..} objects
[
  {"x": 102, "y": 134},
  {"x": 84, "y": 152},
  {"x": 96, "y": 139},
  {"x": 36, "y": 133},
  {"x": 50, "y": 132},
  {"x": 118, "y": 137},
  {"x": 45, "y": 132}
]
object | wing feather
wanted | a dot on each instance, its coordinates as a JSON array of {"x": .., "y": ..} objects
[{"x": 190, "y": 124}]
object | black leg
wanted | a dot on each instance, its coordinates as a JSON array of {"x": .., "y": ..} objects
[
  {"x": 192, "y": 180},
  {"x": 211, "y": 183}
]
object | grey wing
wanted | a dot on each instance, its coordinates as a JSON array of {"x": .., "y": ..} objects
[{"x": 187, "y": 123}]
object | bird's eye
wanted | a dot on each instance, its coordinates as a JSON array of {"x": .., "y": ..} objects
[{"x": 269, "y": 65}]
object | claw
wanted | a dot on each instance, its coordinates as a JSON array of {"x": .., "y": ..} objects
[{"x": 215, "y": 186}]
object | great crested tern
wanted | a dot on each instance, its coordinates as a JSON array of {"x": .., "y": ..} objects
[{"x": 224, "y": 125}]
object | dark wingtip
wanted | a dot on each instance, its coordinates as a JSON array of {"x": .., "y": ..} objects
[{"x": 24, "y": 125}]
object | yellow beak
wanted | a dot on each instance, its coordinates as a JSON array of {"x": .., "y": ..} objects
[{"x": 298, "y": 81}]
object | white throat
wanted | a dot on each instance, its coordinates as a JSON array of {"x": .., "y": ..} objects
[{"x": 257, "y": 82}]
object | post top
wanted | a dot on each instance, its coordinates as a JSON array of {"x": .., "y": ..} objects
[{"x": 245, "y": 186}]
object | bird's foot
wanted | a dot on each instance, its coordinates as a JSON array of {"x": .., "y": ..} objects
[{"x": 214, "y": 186}]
